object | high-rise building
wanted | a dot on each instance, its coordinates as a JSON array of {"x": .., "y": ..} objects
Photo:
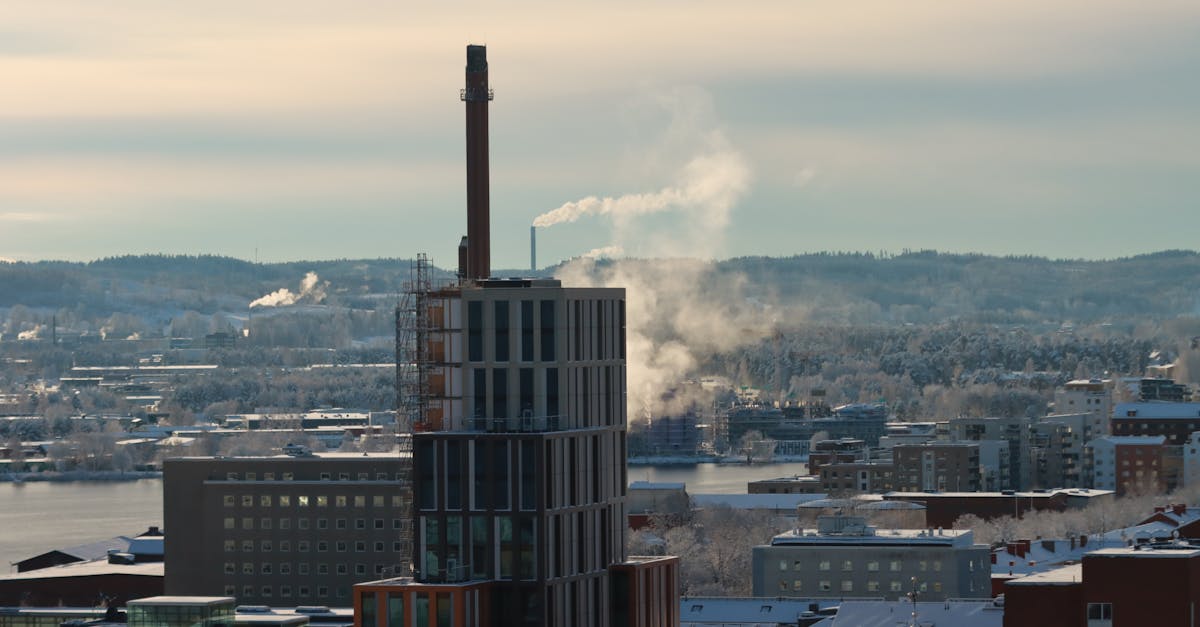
[{"x": 519, "y": 446}]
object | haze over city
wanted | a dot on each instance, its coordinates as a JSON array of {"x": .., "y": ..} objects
[{"x": 307, "y": 130}]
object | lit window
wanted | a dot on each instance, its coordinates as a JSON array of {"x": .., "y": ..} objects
[
  {"x": 285, "y": 501},
  {"x": 247, "y": 500},
  {"x": 302, "y": 501},
  {"x": 264, "y": 500},
  {"x": 229, "y": 500},
  {"x": 322, "y": 501},
  {"x": 783, "y": 585},
  {"x": 796, "y": 585},
  {"x": 340, "y": 500},
  {"x": 377, "y": 501}
]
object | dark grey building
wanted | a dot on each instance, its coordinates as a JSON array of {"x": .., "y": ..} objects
[{"x": 282, "y": 530}]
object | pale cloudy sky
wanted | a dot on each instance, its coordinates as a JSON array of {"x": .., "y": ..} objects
[{"x": 308, "y": 129}]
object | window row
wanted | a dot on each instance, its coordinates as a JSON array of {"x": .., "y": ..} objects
[
  {"x": 303, "y": 546},
  {"x": 303, "y": 592},
  {"x": 325, "y": 476},
  {"x": 872, "y": 566},
  {"x": 285, "y": 568},
  {"x": 320, "y": 500},
  {"x": 847, "y": 585},
  {"x": 285, "y": 524}
]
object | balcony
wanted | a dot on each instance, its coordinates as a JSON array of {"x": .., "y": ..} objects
[{"x": 520, "y": 424}]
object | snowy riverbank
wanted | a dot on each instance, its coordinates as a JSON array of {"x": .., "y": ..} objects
[{"x": 80, "y": 475}]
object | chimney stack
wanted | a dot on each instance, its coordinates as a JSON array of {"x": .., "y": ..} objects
[
  {"x": 533, "y": 249},
  {"x": 477, "y": 95}
]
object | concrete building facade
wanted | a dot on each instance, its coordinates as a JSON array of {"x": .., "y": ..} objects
[
  {"x": 844, "y": 557},
  {"x": 282, "y": 530}
]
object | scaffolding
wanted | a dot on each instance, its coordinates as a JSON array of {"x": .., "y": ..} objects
[{"x": 412, "y": 388}]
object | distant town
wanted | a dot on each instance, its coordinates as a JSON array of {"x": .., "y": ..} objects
[{"x": 971, "y": 440}]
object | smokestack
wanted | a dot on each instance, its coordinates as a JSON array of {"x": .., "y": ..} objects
[
  {"x": 533, "y": 249},
  {"x": 477, "y": 95}
]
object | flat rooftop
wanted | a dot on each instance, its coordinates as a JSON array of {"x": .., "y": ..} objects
[
  {"x": 1063, "y": 576},
  {"x": 811, "y": 537}
]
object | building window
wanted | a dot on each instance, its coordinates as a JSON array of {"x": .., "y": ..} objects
[
  {"x": 825, "y": 586},
  {"x": 937, "y": 565},
  {"x": 847, "y": 565},
  {"x": 937, "y": 586},
  {"x": 360, "y": 501},
  {"x": 285, "y": 500},
  {"x": 824, "y": 565},
  {"x": 379, "y": 523},
  {"x": 379, "y": 547},
  {"x": 475, "y": 331},
  {"x": 360, "y": 569},
  {"x": 264, "y": 500},
  {"x": 322, "y": 591},
  {"x": 247, "y": 568},
  {"x": 230, "y": 591},
  {"x": 325, "y": 476},
  {"x": 783, "y": 585},
  {"x": 322, "y": 569},
  {"x": 782, "y": 564},
  {"x": 302, "y": 546},
  {"x": 847, "y": 585},
  {"x": 340, "y": 500},
  {"x": 341, "y": 569},
  {"x": 247, "y": 523},
  {"x": 265, "y": 523},
  {"x": 302, "y": 591},
  {"x": 1099, "y": 611},
  {"x": 231, "y": 476},
  {"x": 341, "y": 546},
  {"x": 247, "y": 500},
  {"x": 265, "y": 568},
  {"x": 873, "y": 567},
  {"x": 287, "y": 476},
  {"x": 340, "y": 523},
  {"x": 247, "y": 546},
  {"x": 230, "y": 568},
  {"x": 360, "y": 523},
  {"x": 285, "y": 523},
  {"x": 323, "y": 546},
  {"x": 268, "y": 476},
  {"x": 322, "y": 523},
  {"x": 302, "y": 568},
  {"x": 896, "y": 586},
  {"x": 285, "y": 591},
  {"x": 266, "y": 546},
  {"x": 360, "y": 546},
  {"x": 230, "y": 546},
  {"x": 250, "y": 476},
  {"x": 228, "y": 499},
  {"x": 322, "y": 501},
  {"x": 796, "y": 565},
  {"x": 796, "y": 585},
  {"x": 302, "y": 523},
  {"x": 872, "y": 586},
  {"x": 302, "y": 501},
  {"x": 894, "y": 566},
  {"x": 247, "y": 591},
  {"x": 285, "y": 546},
  {"x": 922, "y": 565}
]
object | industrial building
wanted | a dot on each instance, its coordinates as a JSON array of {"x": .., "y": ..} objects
[{"x": 516, "y": 393}]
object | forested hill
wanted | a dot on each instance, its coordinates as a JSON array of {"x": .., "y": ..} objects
[
  {"x": 929, "y": 287},
  {"x": 914, "y": 287}
]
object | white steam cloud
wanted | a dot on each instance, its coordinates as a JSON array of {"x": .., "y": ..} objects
[
  {"x": 312, "y": 290},
  {"x": 604, "y": 252},
  {"x": 709, "y": 185},
  {"x": 679, "y": 310}
]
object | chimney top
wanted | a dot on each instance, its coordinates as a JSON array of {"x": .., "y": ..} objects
[{"x": 477, "y": 58}]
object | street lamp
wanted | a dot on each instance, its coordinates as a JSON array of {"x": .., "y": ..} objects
[{"x": 912, "y": 596}]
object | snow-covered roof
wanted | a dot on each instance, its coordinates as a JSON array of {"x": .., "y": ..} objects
[
  {"x": 89, "y": 569},
  {"x": 1063, "y": 575},
  {"x": 1167, "y": 410},
  {"x": 755, "y": 501},
  {"x": 657, "y": 485},
  {"x": 956, "y": 613},
  {"x": 745, "y": 611},
  {"x": 1131, "y": 440}
]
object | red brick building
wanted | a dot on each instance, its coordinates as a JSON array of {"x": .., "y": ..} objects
[{"x": 1128, "y": 587}]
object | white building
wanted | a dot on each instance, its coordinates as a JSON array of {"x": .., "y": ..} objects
[
  {"x": 1090, "y": 396},
  {"x": 1105, "y": 460}
]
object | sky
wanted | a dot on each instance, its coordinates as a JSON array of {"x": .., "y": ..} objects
[{"x": 305, "y": 129}]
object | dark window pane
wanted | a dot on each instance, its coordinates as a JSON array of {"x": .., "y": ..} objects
[
  {"x": 526, "y": 330},
  {"x": 547, "y": 330},
  {"x": 475, "y": 331},
  {"x": 501, "y": 319}
]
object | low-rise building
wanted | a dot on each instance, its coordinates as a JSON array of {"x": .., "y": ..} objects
[
  {"x": 843, "y": 557},
  {"x": 937, "y": 466}
]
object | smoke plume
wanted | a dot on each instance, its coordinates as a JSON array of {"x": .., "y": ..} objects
[
  {"x": 679, "y": 310},
  {"x": 312, "y": 290}
]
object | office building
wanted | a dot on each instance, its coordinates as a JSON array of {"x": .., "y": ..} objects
[
  {"x": 844, "y": 557},
  {"x": 1014, "y": 430},
  {"x": 283, "y": 530}
]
